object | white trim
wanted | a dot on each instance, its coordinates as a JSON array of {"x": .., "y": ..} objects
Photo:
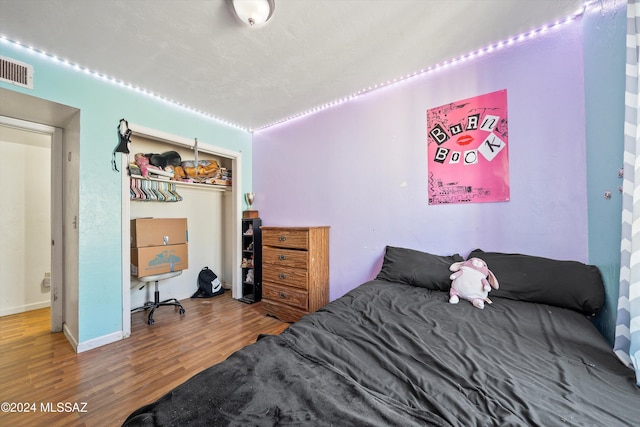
[
  {"x": 72, "y": 340},
  {"x": 182, "y": 141},
  {"x": 24, "y": 308},
  {"x": 92, "y": 343},
  {"x": 236, "y": 193},
  {"x": 57, "y": 233},
  {"x": 99, "y": 342},
  {"x": 26, "y": 125},
  {"x": 126, "y": 253}
]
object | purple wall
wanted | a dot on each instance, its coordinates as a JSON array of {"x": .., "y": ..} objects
[{"x": 361, "y": 167}]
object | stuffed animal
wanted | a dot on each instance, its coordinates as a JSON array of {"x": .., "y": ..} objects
[
  {"x": 470, "y": 282},
  {"x": 143, "y": 163},
  {"x": 146, "y": 165},
  {"x": 168, "y": 158}
]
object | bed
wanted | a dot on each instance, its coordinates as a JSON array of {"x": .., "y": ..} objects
[{"x": 393, "y": 351}]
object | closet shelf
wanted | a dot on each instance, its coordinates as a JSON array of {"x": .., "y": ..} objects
[{"x": 206, "y": 187}]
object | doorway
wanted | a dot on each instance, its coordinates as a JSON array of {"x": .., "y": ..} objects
[
  {"x": 31, "y": 206},
  {"x": 20, "y": 109}
]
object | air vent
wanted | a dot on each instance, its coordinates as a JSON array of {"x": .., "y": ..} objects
[{"x": 16, "y": 72}]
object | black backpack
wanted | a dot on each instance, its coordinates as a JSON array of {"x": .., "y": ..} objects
[{"x": 208, "y": 284}]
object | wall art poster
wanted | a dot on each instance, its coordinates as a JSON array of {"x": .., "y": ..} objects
[{"x": 468, "y": 149}]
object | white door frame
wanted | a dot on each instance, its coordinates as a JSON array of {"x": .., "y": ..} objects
[
  {"x": 57, "y": 203},
  {"x": 235, "y": 226}
]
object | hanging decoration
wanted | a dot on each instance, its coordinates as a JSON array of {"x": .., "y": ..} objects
[
  {"x": 467, "y": 145},
  {"x": 124, "y": 138}
]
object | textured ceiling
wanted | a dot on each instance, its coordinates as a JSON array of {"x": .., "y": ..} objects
[{"x": 310, "y": 53}]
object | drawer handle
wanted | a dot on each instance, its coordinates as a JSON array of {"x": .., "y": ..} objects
[
  {"x": 282, "y": 257},
  {"x": 282, "y": 295},
  {"x": 282, "y": 238},
  {"x": 282, "y": 276}
]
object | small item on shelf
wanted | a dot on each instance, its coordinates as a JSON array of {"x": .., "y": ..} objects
[
  {"x": 249, "y": 213},
  {"x": 245, "y": 263},
  {"x": 249, "y": 278},
  {"x": 250, "y": 247},
  {"x": 223, "y": 178},
  {"x": 249, "y": 231}
]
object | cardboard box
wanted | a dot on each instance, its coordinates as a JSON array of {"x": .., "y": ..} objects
[
  {"x": 147, "y": 232},
  {"x": 159, "y": 259}
]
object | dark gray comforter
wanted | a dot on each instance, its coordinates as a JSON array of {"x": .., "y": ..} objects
[{"x": 392, "y": 354}]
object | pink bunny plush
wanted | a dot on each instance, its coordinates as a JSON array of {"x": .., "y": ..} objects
[{"x": 470, "y": 282}]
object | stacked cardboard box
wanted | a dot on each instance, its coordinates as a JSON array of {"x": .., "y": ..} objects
[{"x": 159, "y": 245}]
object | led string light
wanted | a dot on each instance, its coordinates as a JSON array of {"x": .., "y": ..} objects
[
  {"x": 389, "y": 83},
  {"x": 120, "y": 83},
  {"x": 469, "y": 56}
]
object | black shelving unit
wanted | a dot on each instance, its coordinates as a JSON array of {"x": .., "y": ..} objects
[{"x": 251, "y": 260}]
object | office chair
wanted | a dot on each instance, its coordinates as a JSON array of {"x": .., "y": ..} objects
[{"x": 156, "y": 298}]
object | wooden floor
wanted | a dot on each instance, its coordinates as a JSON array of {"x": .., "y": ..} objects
[{"x": 40, "y": 372}]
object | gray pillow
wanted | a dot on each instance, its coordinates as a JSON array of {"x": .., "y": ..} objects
[
  {"x": 417, "y": 268},
  {"x": 567, "y": 284}
]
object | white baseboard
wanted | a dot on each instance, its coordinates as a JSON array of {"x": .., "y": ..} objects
[
  {"x": 99, "y": 342},
  {"x": 24, "y": 308},
  {"x": 78, "y": 347},
  {"x": 92, "y": 343},
  {"x": 72, "y": 340}
]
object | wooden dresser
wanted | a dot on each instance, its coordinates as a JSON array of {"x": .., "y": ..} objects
[{"x": 295, "y": 271}]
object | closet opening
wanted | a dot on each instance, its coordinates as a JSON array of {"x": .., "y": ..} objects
[{"x": 213, "y": 213}]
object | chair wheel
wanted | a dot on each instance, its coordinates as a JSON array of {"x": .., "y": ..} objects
[
  {"x": 181, "y": 311},
  {"x": 150, "y": 321}
]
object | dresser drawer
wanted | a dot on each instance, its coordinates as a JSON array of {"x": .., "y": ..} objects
[
  {"x": 289, "y": 276},
  {"x": 283, "y": 294},
  {"x": 285, "y": 257},
  {"x": 284, "y": 312},
  {"x": 286, "y": 238}
]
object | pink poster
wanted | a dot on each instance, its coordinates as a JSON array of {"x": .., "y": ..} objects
[{"x": 468, "y": 149}]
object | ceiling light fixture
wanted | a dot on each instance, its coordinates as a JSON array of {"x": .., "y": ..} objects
[{"x": 252, "y": 12}]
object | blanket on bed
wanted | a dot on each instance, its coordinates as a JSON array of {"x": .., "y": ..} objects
[{"x": 394, "y": 354}]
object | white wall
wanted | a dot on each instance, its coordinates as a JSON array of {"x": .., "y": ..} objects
[
  {"x": 203, "y": 209},
  {"x": 362, "y": 167},
  {"x": 25, "y": 220}
]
